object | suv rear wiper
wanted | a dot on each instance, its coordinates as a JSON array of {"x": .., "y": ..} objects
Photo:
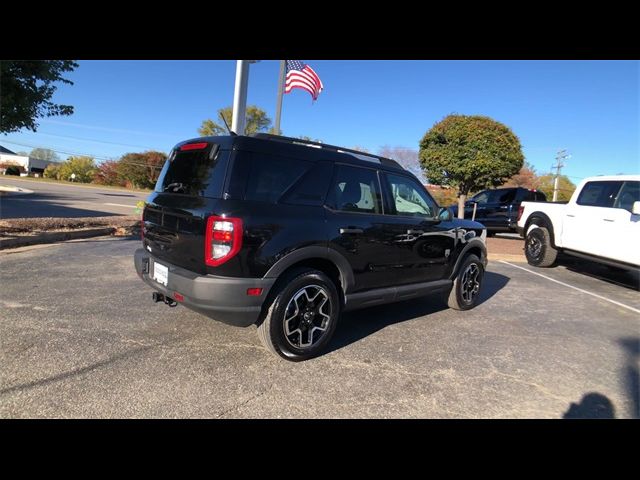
[{"x": 176, "y": 186}]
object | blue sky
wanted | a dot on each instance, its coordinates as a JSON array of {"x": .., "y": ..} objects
[{"x": 590, "y": 108}]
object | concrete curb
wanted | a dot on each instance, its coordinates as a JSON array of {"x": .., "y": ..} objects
[
  {"x": 7, "y": 190},
  {"x": 52, "y": 237},
  {"x": 493, "y": 257}
]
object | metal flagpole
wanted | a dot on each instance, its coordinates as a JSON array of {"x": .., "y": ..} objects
[
  {"x": 279, "y": 99},
  {"x": 240, "y": 97}
]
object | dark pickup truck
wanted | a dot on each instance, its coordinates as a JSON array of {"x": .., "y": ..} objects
[{"x": 497, "y": 209}]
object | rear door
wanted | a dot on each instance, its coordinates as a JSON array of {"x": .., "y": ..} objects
[
  {"x": 625, "y": 225},
  {"x": 496, "y": 211},
  {"x": 356, "y": 225}
]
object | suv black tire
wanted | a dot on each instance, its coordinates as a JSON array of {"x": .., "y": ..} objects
[
  {"x": 293, "y": 293},
  {"x": 467, "y": 284},
  {"x": 538, "y": 248}
]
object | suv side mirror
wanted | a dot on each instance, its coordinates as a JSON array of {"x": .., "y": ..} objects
[
  {"x": 445, "y": 214},
  {"x": 636, "y": 208}
]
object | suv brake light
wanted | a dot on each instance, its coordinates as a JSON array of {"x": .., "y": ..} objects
[
  {"x": 520, "y": 212},
  {"x": 223, "y": 239}
]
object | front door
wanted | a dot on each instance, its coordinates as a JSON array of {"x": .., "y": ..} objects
[
  {"x": 587, "y": 224},
  {"x": 422, "y": 245}
]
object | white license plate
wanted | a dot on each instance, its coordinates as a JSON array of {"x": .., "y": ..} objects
[{"x": 160, "y": 273}]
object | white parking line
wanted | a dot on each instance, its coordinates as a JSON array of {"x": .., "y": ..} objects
[
  {"x": 575, "y": 288},
  {"x": 120, "y": 205}
]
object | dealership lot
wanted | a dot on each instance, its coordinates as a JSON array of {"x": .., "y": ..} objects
[{"x": 80, "y": 337}]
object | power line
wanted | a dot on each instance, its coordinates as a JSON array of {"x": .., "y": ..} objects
[
  {"x": 94, "y": 140},
  {"x": 78, "y": 154}
]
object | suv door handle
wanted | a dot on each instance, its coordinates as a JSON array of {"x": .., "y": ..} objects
[
  {"x": 608, "y": 220},
  {"x": 569, "y": 215},
  {"x": 414, "y": 232},
  {"x": 351, "y": 230}
]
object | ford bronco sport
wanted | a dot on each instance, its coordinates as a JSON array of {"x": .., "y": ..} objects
[{"x": 287, "y": 234}]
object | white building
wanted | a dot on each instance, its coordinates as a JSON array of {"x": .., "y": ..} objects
[{"x": 30, "y": 164}]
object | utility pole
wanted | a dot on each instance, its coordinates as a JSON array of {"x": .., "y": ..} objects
[{"x": 562, "y": 154}]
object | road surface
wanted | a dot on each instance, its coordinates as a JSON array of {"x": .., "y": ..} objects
[
  {"x": 60, "y": 200},
  {"x": 80, "y": 337}
]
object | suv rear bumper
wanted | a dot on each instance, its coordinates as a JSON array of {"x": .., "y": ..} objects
[{"x": 220, "y": 298}]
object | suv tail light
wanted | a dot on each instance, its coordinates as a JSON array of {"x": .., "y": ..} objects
[
  {"x": 222, "y": 240},
  {"x": 520, "y": 212}
]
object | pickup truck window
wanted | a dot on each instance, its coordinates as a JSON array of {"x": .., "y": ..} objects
[
  {"x": 629, "y": 193},
  {"x": 599, "y": 194}
]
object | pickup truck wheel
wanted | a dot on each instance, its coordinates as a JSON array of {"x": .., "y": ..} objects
[
  {"x": 466, "y": 286},
  {"x": 302, "y": 317},
  {"x": 538, "y": 248}
]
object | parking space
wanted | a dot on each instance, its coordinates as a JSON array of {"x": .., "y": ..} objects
[{"x": 80, "y": 337}]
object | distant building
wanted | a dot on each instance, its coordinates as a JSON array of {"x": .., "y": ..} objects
[{"x": 30, "y": 164}]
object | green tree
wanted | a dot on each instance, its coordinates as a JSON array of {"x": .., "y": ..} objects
[
  {"x": 565, "y": 187},
  {"x": 141, "y": 170},
  {"x": 44, "y": 154},
  {"x": 52, "y": 171},
  {"x": 309, "y": 139},
  {"x": 256, "y": 121},
  {"x": 82, "y": 167},
  {"x": 470, "y": 152},
  {"x": 27, "y": 87}
]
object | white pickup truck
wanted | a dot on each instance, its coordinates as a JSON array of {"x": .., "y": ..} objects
[{"x": 601, "y": 222}]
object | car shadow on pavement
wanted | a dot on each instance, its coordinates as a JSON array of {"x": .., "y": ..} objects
[
  {"x": 631, "y": 375},
  {"x": 618, "y": 276},
  {"x": 356, "y": 325}
]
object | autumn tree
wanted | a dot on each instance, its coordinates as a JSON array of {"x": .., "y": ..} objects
[
  {"x": 525, "y": 178},
  {"x": 27, "y": 87},
  {"x": 141, "y": 170},
  {"x": 470, "y": 152},
  {"x": 107, "y": 174},
  {"x": 256, "y": 121}
]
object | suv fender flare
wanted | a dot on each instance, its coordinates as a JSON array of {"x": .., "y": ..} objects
[
  {"x": 540, "y": 219},
  {"x": 473, "y": 243},
  {"x": 306, "y": 253}
]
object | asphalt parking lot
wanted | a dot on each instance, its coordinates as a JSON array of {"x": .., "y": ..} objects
[{"x": 80, "y": 337}]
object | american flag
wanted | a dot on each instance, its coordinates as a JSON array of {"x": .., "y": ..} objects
[{"x": 300, "y": 75}]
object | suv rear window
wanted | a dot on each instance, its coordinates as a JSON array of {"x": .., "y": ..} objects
[
  {"x": 495, "y": 196},
  {"x": 194, "y": 172}
]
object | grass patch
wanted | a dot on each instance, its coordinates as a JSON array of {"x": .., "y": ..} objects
[{"x": 32, "y": 226}]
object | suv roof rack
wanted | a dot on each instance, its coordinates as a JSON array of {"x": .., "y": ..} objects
[{"x": 367, "y": 157}]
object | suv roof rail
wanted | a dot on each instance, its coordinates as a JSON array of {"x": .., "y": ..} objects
[{"x": 367, "y": 157}]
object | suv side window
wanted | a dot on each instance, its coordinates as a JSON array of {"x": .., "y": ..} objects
[
  {"x": 408, "y": 198},
  {"x": 355, "y": 189},
  {"x": 263, "y": 177},
  {"x": 311, "y": 188},
  {"x": 599, "y": 193},
  {"x": 629, "y": 193}
]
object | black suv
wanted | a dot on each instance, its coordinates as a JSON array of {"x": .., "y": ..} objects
[
  {"x": 287, "y": 234},
  {"x": 497, "y": 209}
]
